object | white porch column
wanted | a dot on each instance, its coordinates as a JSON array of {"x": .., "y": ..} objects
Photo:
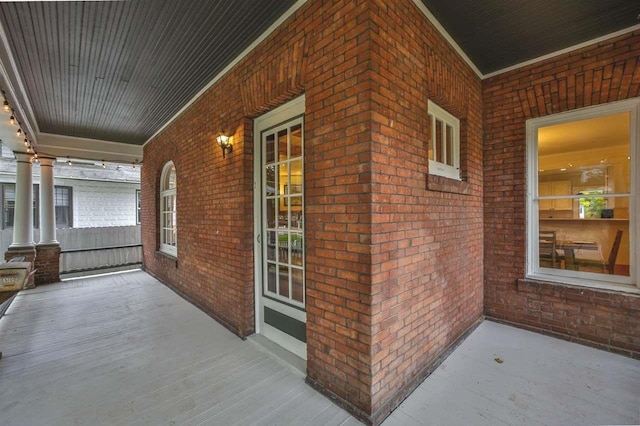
[
  {"x": 47, "y": 208},
  {"x": 23, "y": 213}
]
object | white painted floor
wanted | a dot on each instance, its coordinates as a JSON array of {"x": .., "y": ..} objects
[
  {"x": 541, "y": 381},
  {"x": 125, "y": 350}
]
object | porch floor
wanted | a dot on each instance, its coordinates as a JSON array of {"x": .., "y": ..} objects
[{"x": 125, "y": 350}]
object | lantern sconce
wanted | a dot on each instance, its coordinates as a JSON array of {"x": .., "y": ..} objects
[{"x": 225, "y": 143}]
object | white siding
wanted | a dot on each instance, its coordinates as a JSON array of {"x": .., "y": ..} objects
[{"x": 100, "y": 204}]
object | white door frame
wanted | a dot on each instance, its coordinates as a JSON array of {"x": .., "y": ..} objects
[{"x": 279, "y": 115}]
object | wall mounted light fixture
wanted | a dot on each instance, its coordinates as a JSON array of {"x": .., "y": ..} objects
[{"x": 225, "y": 143}]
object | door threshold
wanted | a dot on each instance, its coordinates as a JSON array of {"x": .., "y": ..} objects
[{"x": 289, "y": 358}]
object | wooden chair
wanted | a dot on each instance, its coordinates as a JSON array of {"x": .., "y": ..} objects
[
  {"x": 609, "y": 266},
  {"x": 548, "y": 251}
]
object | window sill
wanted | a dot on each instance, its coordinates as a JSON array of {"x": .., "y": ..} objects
[
  {"x": 443, "y": 184},
  {"x": 168, "y": 256},
  {"x": 579, "y": 284}
]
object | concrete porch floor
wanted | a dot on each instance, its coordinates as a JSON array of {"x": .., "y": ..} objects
[{"x": 125, "y": 350}]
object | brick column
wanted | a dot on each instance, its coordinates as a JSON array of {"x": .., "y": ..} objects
[
  {"x": 48, "y": 249},
  {"x": 47, "y": 263}
]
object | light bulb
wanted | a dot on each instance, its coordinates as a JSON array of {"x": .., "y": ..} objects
[
  {"x": 104, "y": 166},
  {"x": 19, "y": 132},
  {"x": 6, "y": 106},
  {"x": 12, "y": 120}
]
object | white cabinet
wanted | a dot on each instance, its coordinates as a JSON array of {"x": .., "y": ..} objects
[{"x": 562, "y": 187}]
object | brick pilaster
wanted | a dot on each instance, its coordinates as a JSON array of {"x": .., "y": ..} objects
[{"x": 47, "y": 263}]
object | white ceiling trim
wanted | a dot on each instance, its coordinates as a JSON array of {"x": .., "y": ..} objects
[
  {"x": 447, "y": 37},
  {"x": 563, "y": 51},
  {"x": 15, "y": 89},
  {"x": 240, "y": 57},
  {"x": 88, "y": 149}
]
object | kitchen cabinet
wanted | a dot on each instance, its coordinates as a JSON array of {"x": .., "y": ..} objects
[{"x": 556, "y": 188}]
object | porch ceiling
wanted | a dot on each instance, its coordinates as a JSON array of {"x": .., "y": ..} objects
[
  {"x": 87, "y": 74},
  {"x": 117, "y": 71},
  {"x": 497, "y": 34}
]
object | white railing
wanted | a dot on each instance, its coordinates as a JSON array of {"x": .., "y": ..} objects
[{"x": 85, "y": 249}]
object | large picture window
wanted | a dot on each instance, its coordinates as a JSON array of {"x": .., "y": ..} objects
[
  {"x": 583, "y": 188},
  {"x": 168, "y": 218}
]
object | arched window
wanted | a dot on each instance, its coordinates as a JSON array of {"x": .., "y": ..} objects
[{"x": 168, "y": 219}]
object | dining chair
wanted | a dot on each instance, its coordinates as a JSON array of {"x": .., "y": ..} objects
[
  {"x": 547, "y": 249},
  {"x": 609, "y": 266}
]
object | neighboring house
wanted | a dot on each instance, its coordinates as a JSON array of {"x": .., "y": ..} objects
[{"x": 86, "y": 195}]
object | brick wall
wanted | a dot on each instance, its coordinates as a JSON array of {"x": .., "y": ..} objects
[
  {"x": 47, "y": 264},
  {"x": 426, "y": 237},
  {"x": 387, "y": 292},
  {"x": 597, "y": 74}
]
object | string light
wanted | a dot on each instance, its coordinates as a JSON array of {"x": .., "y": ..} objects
[
  {"x": 19, "y": 132},
  {"x": 104, "y": 166},
  {"x": 12, "y": 120},
  {"x": 26, "y": 142},
  {"x": 6, "y": 107},
  {"x": 69, "y": 161}
]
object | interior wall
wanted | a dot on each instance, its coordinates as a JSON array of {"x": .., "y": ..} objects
[{"x": 601, "y": 73}]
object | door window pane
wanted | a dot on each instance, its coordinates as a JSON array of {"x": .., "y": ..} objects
[{"x": 282, "y": 190}]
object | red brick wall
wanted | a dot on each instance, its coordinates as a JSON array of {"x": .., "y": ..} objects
[
  {"x": 394, "y": 262},
  {"x": 320, "y": 51},
  {"x": 47, "y": 264},
  {"x": 597, "y": 74},
  {"x": 426, "y": 241}
]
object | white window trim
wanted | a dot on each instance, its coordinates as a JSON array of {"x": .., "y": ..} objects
[
  {"x": 585, "y": 279},
  {"x": 138, "y": 206},
  {"x": 166, "y": 248},
  {"x": 435, "y": 167}
]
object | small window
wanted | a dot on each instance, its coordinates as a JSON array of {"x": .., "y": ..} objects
[
  {"x": 64, "y": 206},
  {"x": 138, "y": 208},
  {"x": 444, "y": 145},
  {"x": 168, "y": 211}
]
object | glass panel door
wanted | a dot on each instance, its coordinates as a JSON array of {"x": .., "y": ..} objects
[
  {"x": 283, "y": 213},
  {"x": 279, "y": 225}
]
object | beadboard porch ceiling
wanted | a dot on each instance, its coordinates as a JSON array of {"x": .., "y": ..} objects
[{"x": 97, "y": 73}]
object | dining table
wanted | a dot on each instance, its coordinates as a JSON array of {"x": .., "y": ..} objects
[{"x": 569, "y": 247}]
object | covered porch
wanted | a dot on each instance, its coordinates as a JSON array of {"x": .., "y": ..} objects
[{"x": 124, "y": 349}]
